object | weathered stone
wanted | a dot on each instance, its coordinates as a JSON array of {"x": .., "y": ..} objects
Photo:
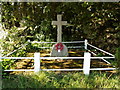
[
  {"x": 56, "y": 53},
  {"x": 59, "y": 24},
  {"x": 64, "y": 51}
]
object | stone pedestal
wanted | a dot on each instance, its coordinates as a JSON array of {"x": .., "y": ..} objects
[{"x": 58, "y": 53}]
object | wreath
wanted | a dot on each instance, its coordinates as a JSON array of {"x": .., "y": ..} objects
[{"x": 59, "y": 46}]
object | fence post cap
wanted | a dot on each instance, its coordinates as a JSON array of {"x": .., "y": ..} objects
[{"x": 86, "y": 40}]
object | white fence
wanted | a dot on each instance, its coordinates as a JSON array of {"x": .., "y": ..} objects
[{"x": 86, "y": 63}]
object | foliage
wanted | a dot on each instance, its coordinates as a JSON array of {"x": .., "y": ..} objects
[
  {"x": 23, "y": 21},
  {"x": 117, "y": 55},
  {"x": 92, "y": 21},
  {"x": 61, "y": 80}
]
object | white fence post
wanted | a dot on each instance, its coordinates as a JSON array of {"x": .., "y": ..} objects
[
  {"x": 36, "y": 62},
  {"x": 86, "y": 42},
  {"x": 86, "y": 64}
]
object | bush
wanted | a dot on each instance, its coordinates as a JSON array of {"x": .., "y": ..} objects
[
  {"x": 117, "y": 56},
  {"x": 62, "y": 80}
]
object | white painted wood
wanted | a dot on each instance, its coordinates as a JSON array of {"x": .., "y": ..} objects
[
  {"x": 61, "y": 58},
  {"x": 103, "y": 68},
  {"x": 74, "y": 57},
  {"x": 76, "y": 47},
  {"x": 56, "y": 42},
  {"x": 16, "y": 50},
  {"x": 86, "y": 63},
  {"x": 86, "y": 42},
  {"x": 67, "y": 47},
  {"x": 55, "y": 57},
  {"x": 42, "y": 42},
  {"x": 20, "y": 70},
  {"x": 59, "y": 24},
  {"x": 101, "y": 58},
  {"x": 16, "y": 57},
  {"x": 62, "y": 69},
  {"x": 78, "y": 69},
  {"x": 86, "y": 66},
  {"x": 36, "y": 62},
  {"x": 101, "y": 50},
  {"x": 75, "y": 42}
]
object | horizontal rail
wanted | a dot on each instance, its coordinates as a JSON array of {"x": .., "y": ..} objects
[
  {"x": 56, "y": 42},
  {"x": 61, "y": 57},
  {"x": 41, "y": 42},
  {"x": 44, "y": 47},
  {"x": 76, "y": 47},
  {"x": 54, "y": 57},
  {"x": 74, "y": 57},
  {"x": 77, "y": 69},
  {"x": 61, "y": 69},
  {"x": 75, "y": 42},
  {"x": 103, "y": 68},
  {"x": 67, "y": 47},
  {"x": 20, "y": 70},
  {"x": 102, "y": 58},
  {"x": 16, "y": 57},
  {"x": 15, "y": 50},
  {"x": 42, "y": 57},
  {"x": 100, "y": 50}
]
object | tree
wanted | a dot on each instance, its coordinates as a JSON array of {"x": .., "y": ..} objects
[{"x": 97, "y": 22}]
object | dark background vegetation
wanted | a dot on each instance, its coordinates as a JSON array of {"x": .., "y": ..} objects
[{"x": 98, "y": 22}]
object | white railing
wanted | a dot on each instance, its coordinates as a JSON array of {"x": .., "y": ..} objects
[
  {"x": 56, "y": 42},
  {"x": 37, "y": 59},
  {"x": 17, "y": 49},
  {"x": 62, "y": 42},
  {"x": 101, "y": 50},
  {"x": 86, "y": 63},
  {"x": 67, "y": 47}
]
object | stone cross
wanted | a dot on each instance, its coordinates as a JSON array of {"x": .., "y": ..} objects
[{"x": 59, "y": 24}]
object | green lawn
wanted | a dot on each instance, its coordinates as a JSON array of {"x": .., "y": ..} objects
[{"x": 62, "y": 80}]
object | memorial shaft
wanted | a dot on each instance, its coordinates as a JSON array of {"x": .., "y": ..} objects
[{"x": 59, "y": 24}]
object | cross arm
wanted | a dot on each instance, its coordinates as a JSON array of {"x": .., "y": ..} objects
[{"x": 59, "y": 23}]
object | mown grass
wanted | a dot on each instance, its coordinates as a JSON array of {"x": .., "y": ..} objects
[{"x": 61, "y": 80}]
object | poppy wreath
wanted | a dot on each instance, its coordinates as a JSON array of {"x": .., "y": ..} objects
[{"x": 59, "y": 46}]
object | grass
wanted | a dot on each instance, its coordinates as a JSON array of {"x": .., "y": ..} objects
[{"x": 61, "y": 80}]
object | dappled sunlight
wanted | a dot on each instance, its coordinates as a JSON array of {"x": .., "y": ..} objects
[
  {"x": 59, "y": 63},
  {"x": 60, "y": 45}
]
